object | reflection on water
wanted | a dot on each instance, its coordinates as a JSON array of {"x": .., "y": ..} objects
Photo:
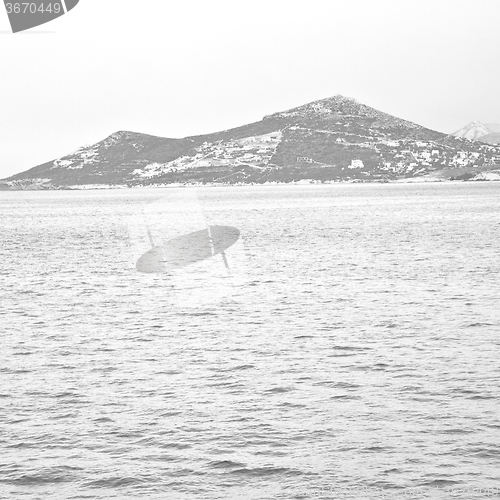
[{"x": 188, "y": 249}]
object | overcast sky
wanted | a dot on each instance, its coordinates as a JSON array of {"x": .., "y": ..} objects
[{"x": 189, "y": 67}]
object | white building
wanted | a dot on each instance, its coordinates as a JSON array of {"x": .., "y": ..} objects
[{"x": 356, "y": 164}]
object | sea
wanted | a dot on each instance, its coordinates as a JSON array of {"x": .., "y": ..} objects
[{"x": 350, "y": 349}]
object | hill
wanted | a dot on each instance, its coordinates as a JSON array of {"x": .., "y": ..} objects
[
  {"x": 333, "y": 139},
  {"x": 477, "y": 131},
  {"x": 473, "y": 131}
]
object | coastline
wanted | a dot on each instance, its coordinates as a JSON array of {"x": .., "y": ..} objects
[{"x": 303, "y": 182}]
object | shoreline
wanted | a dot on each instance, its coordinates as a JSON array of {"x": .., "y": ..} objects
[{"x": 106, "y": 187}]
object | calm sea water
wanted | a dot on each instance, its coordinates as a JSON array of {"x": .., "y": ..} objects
[{"x": 355, "y": 344}]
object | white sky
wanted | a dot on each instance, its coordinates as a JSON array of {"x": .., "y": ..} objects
[{"x": 178, "y": 68}]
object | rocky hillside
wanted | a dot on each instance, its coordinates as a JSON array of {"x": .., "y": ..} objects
[{"x": 334, "y": 139}]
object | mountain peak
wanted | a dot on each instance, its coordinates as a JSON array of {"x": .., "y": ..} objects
[
  {"x": 341, "y": 98},
  {"x": 331, "y": 111},
  {"x": 473, "y": 131},
  {"x": 335, "y": 105},
  {"x": 123, "y": 135}
]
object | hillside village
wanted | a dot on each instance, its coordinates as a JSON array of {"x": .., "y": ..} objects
[
  {"x": 333, "y": 140},
  {"x": 255, "y": 152},
  {"x": 415, "y": 157},
  {"x": 397, "y": 157}
]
